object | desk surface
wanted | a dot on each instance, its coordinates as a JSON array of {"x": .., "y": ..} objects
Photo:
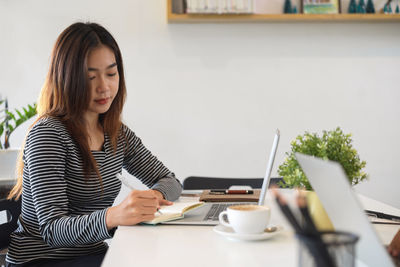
[{"x": 169, "y": 245}]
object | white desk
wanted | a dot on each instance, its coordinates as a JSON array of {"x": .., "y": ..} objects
[{"x": 175, "y": 246}]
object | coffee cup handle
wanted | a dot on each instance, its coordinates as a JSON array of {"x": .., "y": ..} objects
[{"x": 222, "y": 218}]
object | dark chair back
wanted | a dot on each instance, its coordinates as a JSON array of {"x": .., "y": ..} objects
[
  {"x": 200, "y": 183},
  {"x": 13, "y": 209}
]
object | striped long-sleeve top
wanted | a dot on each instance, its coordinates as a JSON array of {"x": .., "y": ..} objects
[{"x": 63, "y": 213}]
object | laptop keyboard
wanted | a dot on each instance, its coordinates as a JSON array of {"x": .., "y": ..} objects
[{"x": 217, "y": 208}]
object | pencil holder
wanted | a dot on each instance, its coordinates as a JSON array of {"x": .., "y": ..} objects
[{"x": 340, "y": 248}]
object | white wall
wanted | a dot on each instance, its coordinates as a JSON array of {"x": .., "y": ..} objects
[{"x": 206, "y": 98}]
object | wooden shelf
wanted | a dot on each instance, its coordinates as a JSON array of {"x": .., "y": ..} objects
[
  {"x": 197, "y": 18},
  {"x": 254, "y": 18}
]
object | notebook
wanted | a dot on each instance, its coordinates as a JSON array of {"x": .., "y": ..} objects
[
  {"x": 343, "y": 207},
  {"x": 207, "y": 214},
  {"x": 175, "y": 211}
]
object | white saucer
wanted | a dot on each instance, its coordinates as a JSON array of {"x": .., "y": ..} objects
[{"x": 229, "y": 233}]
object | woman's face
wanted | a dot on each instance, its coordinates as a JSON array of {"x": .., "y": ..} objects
[{"x": 103, "y": 79}]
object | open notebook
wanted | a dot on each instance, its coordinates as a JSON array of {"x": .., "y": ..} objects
[{"x": 176, "y": 210}]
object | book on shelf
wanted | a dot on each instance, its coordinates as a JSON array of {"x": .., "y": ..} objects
[
  {"x": 176, "y": 210},
  {"x": 178, "y": 6}
]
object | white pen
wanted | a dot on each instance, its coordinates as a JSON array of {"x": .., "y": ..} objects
[
  {"x": 129, "y": 184},
  {"x": 125, "y": 181}
]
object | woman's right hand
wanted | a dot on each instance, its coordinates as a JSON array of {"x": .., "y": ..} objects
[{"x": 138, "y": 206}]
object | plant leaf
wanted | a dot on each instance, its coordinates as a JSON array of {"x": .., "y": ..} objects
[{"x": 19, "y": 113}]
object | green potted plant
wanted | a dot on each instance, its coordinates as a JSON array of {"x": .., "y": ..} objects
[
  {"x": 9, "y": 121},
  {"x": 333, "y": 145}
]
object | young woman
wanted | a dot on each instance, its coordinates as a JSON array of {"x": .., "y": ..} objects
[{"x": 73, "y": 153}]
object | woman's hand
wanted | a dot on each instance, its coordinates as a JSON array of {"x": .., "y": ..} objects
[
  {"x": 138, "y": 206},
  {"x": 394, "y": 247},
  {"x": 161, "y": 200}
]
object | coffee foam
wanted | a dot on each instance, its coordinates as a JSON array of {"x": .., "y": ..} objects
[{"x": 246, "y": 207}]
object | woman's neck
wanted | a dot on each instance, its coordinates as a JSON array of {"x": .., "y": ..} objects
[
  {"x": 95, "y": 132},
  {"x": 92, "y": 122}
]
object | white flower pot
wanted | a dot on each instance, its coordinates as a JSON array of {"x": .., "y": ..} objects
[{"x": 8, "y": 160}]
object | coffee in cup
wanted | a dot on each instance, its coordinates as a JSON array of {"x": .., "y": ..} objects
[{"x": 246, "y": 219}]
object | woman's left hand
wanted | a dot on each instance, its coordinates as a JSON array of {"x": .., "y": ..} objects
[{"x": 161, "y": 200}]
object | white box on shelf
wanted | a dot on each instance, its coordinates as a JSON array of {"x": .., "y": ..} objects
[{"x": 220, "y": 6}]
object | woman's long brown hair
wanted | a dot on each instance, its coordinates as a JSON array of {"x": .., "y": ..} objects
[{"x": 65, "y": 94}]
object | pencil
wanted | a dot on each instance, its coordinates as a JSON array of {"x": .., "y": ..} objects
[
  {"x": 309, "y": 223},
  {"x": 286, "y": 211}
]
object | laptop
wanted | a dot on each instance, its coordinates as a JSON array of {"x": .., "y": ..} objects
[
  {"x": 208, "y": 213},
  {"x": 343, "y": 207}
]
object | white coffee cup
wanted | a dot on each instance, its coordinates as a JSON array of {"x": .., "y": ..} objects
[{"x": 246, "y": 219}]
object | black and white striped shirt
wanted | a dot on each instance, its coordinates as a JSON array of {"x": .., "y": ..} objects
[{"x": 63, "y": 214}]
